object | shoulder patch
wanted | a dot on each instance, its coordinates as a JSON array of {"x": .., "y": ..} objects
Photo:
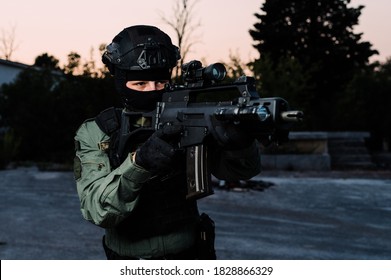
[{"x": 104, "y": 145}]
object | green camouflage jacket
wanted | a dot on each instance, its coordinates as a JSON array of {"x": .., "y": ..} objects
[{"x": 108, "y": 196}]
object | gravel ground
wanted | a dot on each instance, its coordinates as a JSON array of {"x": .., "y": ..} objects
[{"x": 295, "y": 215}]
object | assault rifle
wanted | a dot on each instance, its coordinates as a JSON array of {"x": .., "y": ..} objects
[{"x": 201, "y": 104}]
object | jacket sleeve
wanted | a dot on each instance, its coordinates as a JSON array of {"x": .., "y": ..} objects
[
  {"x": 234, "y": 165},
  {"x": 106, "y": 196}
]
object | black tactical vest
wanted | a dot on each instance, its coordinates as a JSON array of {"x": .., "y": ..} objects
[{"x": 162, "y": 204}]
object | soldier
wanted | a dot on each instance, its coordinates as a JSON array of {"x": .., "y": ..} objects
[{"x": 139, "y": 196}]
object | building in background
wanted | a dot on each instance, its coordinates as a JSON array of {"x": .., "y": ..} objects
[{"x": 9, "y": 70}]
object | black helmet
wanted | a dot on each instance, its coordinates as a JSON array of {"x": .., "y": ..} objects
[
  {"x": 141, "y": 47},
  {"x": 142, "y": 53}
]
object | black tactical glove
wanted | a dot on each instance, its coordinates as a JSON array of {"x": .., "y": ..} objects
[
  {"x": 158, "y": 153},
  {"x": 232, "y": 137}
]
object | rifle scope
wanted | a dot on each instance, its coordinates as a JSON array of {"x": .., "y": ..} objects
[{"x": 193, "y": 72}]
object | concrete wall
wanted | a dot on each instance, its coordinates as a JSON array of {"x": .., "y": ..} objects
[
  {"x": 296, "y": 162},
  {"x": 305, "y": 151}
]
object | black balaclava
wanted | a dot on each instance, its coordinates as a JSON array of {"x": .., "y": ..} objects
[{"x": 140, "y": 101}]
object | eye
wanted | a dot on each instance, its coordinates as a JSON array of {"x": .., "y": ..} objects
[{"x": 137, "y": 85}]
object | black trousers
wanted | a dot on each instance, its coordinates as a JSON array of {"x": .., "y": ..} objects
[{"x": 189, "y": 254}]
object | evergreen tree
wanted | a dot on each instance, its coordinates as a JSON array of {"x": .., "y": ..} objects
[
  {"x": 47, "y": 61},
  {"x": 318, "y": 36},
  {"x": 42, "y": 109},
  {"x": 368, "y": 98}
]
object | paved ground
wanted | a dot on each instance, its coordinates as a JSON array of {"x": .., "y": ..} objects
[{"x": 335, "y": 215}]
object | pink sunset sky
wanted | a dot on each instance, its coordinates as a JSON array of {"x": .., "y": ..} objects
[{"x": 61, "y": 27}]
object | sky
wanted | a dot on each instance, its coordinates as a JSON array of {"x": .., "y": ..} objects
[{"x": 61, "y": 27}]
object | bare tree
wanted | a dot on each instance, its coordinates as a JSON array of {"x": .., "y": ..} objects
[
  {"x": 184, "y": 26},
  {"x": 8, "y": 44}
]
